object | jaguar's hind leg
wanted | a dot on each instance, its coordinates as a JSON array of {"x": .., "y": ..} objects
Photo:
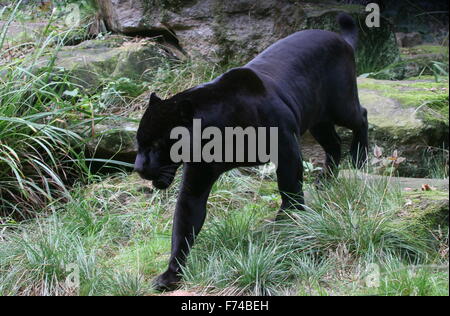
[{"x": 290, "y": 176}]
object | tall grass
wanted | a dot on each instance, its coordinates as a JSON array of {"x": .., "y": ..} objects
[{"x": 34, "y": 129}]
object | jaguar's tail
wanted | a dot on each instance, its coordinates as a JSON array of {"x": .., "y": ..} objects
[{"x": 349, "y": 30}]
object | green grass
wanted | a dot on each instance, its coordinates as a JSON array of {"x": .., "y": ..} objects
[
  {"x": 368, "y": 61},
  {"x": 348, "y": 225},
  {"x": 36, "y": 255}
]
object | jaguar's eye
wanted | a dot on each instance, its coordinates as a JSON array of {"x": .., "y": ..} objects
[{"x": 156, "y": 145}]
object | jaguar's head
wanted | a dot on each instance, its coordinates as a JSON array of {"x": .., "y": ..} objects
[{"x": 153, "y": 161}]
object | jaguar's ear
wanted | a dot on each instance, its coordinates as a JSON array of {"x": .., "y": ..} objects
[{"x": 154, "y": 99}]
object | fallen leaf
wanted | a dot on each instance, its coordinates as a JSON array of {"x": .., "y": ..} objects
[{"x": 427, "y": 187}]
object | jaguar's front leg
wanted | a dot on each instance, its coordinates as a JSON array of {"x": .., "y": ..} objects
[
  {"x": 188, "y": 220},
  {"x": 290, "y": 175}
]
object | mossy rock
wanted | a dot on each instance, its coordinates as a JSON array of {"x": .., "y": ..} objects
[
  {"x": 22, "y": 32},
  {"x": 92, "y": 62},
  {"x": 428, "y": 210},
  {"x": 409, "y": 116},
  {"x": 428, "y": 98},
  {"x": 113, "y": 139},
  {"x": 377, "y": 46}
]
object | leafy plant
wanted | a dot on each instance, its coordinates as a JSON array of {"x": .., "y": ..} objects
[{"x": 386, "y": 165}]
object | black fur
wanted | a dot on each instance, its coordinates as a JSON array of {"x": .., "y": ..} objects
[{"x": 306, "y": 81}]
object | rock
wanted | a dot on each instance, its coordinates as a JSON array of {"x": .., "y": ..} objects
[
  {"x": 409, "y": 116},
  {"x": 93, "y": 61},
  {"x": 235, "y": 31},
  {"x": 411, "y": 111},
  {"x": 408, "y": 39},
  {"x": 113, "y": 139}
]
